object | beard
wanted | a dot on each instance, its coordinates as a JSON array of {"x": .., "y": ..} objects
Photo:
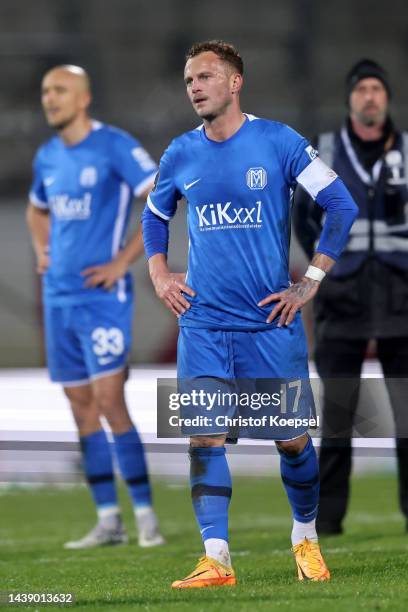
[
  {"x": 371, "y": 120},
  {"x": 208, "y": 116},
  {"x": 214, "y": 113},
  {"x": 62, "y": 124}
]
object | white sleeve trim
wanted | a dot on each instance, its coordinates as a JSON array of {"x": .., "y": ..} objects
[
  {"x": 155, "y": 210},
  {"x": 141, "y": 187},
  {"x": 37, "y": 202},
  {"x": 315, "y": 177}
]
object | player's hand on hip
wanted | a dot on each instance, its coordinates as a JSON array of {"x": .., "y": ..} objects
[
  {"x": 104, "y": 275},
  {"x": 290, "y": 300},
  {"x": 170, "y": 287}
]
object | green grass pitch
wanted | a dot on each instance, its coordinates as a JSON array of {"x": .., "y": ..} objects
[{"x": 369, "y": 564}]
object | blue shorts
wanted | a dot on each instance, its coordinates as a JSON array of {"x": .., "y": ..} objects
[
  {"x": 250, "y": 363},
  {"x": 87, "y": 341}
]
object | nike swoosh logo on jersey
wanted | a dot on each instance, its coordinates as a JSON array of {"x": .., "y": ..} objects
[
  {"x": 105, "y": 360},
  {"x": 49, "y": 180},
  {"x": 205, "y": 528},
  {"x": 187, "y": 186}
]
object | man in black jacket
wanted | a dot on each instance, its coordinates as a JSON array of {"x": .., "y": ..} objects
[{"x": 366, "y": 294}]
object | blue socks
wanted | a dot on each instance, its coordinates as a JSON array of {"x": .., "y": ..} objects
[
  {"x": 210, "y": 490},
  {"x": 132, "y": 464},
  {"x": 300, "y": 476},
  {"x": 99, "y": 470},
  {"x": 211, "y": 493}
]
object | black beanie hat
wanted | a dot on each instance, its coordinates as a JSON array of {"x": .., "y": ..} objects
[{"x": 365, "y": 69}]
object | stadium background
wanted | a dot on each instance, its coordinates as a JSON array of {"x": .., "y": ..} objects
[{"x": 296, "y": 55}]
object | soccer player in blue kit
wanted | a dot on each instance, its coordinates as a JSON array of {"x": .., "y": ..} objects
[
  {"x": 238, "y": 312},
  {"x": 84, "y": 181}
]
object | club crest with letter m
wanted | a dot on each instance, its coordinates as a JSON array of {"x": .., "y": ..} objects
[{"x": 256, "y": 178}]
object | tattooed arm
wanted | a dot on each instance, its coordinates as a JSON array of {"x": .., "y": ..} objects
[{"x": 297, "y": 295}]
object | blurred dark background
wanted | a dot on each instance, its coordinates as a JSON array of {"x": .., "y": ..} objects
[{"x": 296, "y": 54}]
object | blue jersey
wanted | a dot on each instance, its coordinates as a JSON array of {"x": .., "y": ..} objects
[
  {"x": 88, "y": 189},
  {"x": 239, "y": 194}
]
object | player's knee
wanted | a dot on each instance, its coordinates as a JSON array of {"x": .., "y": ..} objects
[
  {"x": 293, "y": 447},
  {"x": 114, "y": 410},
  {"x": 81, "y": 402},
  {"x": 207, "y": 441},
  {"x": 86, "y": 416},
  {"x": 104, "y": 403},
  {"x": 108, "y": 404},
  {"x": 119, "y": 423}
]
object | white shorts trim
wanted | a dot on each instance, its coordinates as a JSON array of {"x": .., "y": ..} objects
[
  {"x": 108, "y": 372},
  {"x": 73, "y": 383},
  {"x": 295, "y": 438},
  {"x": 206, "y": 435}
]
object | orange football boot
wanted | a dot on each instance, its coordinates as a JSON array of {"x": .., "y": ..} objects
[{"x": 208, "y": 573}]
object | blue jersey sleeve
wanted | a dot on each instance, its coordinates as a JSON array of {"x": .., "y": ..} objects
[
  {"x": 296, "y": 153},
  {"x": 341, "y": 212},
  {"x": 37, "y": 195},
  {"x": 155, "y": 233},
  {"x": 329, "y": 191},
  {"x": 162, "y": 200},
  {"x": 302, "y": 164},
  {"x": 132, "y": 162}
]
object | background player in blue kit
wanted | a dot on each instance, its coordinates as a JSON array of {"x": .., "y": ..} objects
[
  {"x": 237, "y": 174},
  {"x": 85, "y": 178}
]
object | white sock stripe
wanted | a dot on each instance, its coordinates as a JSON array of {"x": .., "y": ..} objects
[
  {"x": 301, "y": 531},
  {"x": 106, "y": 511},
  {"x": 141, "y": 511},
  {"x": 217, "y": 549}
]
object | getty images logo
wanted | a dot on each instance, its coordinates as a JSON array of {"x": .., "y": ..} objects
[{"x": 224, "y": 216}]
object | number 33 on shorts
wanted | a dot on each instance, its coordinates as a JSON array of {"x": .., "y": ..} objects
[{"x": 108, "y": 344}]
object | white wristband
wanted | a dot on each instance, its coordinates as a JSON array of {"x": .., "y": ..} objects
[{"x": 315, "y": 273}]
